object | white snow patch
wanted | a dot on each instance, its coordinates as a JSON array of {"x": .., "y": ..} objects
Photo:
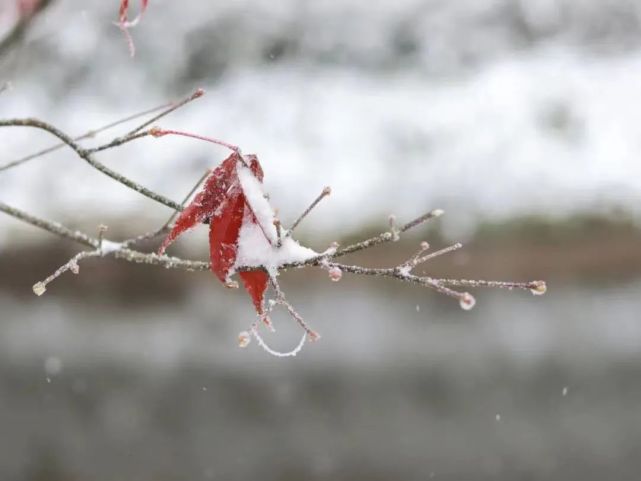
[
  {"x": 257, "y": 244},
  {"x": 255, "y": 196},
  {"x": 255, "y": 250},
  {"x": 107, "y": 247}
]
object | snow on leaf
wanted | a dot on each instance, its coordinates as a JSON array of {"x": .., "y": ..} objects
[
  {"x": 257, "y": 243},
  {"x": 241, "y": 226},
  {"x": 254, "y": 250},
  {"x": 257, "y": 203}
]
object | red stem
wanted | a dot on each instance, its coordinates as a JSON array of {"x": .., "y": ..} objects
[{"x": 158, "y": 132}]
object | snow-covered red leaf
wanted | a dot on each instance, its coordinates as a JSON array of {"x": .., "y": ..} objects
[{"x": 240, "y": 220}]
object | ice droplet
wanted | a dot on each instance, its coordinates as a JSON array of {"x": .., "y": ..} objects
[
  {"x": 244, "y": 338},
  {"x": 565, "y": 391},
  {"x": 335, "y": 273},
  {"x": 39, "y": 288},
  {"x": 425, "y": 245},
  {"x": 498, "y": 417},
  {"x": 418, "y": 308},
  {"x": 539, "y": 288},
  {"x": 467, "y": 301}
]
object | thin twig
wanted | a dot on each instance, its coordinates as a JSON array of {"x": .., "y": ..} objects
[
  {"x": 87, "y": 135},
  {"x": 280, "y": 299},
  {"x": 414, "y": 260},
  {"x": 172, "y": 108},
  {"x": 438, "y": 253},
  {"x": 325, "y": 192},
  {"x": 86, "y": 155},
  {"x": 326, "y": 260},
  {"x": 52, "y": 227},
  {"x": 165, "y": 227},
  {"x": 279, "y": 239},
  {"x": 538, "y": 286},
  {"x": 387, "y": 236},
  {"x": 139, "y": 131},
  {"x": 39, "y": 288},
  {"x": 177, "y": 263},
  {"x": 158, "y": 132}
]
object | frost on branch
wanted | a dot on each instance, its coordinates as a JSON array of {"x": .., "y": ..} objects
[{"x": 245, "y": 236}]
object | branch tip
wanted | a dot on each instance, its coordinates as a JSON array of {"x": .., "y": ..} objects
[
  {"x": 39, "y": 288},
  {"x": 335, "y": 273},
  {"x": 244, "y": 338},
  {"x": 199, "y": 92},
  {"x": 538, "y": 288},
  {"x": 467, "y": 301},
  {"x": 324, "y": 193}
]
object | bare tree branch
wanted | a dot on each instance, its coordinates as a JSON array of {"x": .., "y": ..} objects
[
  {"x": 324, "y": 193},
  {"x": 86, "y": 155},
  {"x": 89, "y": 134},
  {"x": 102, "y": 247}
]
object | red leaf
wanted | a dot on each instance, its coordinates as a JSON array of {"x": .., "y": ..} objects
[
  {"x": 123, "y": 13},
  {"x": 255, "y": 283},
  {"x": 204, "y": 205},
  {"x": 223, "y": 203},
  {"x": 224, "y": 228},
  {"x": 255, "y": 166},
  {"x": 124, "y": 23}
]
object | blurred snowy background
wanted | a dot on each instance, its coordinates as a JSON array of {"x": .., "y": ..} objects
[{"x": 518, "y": 117}]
